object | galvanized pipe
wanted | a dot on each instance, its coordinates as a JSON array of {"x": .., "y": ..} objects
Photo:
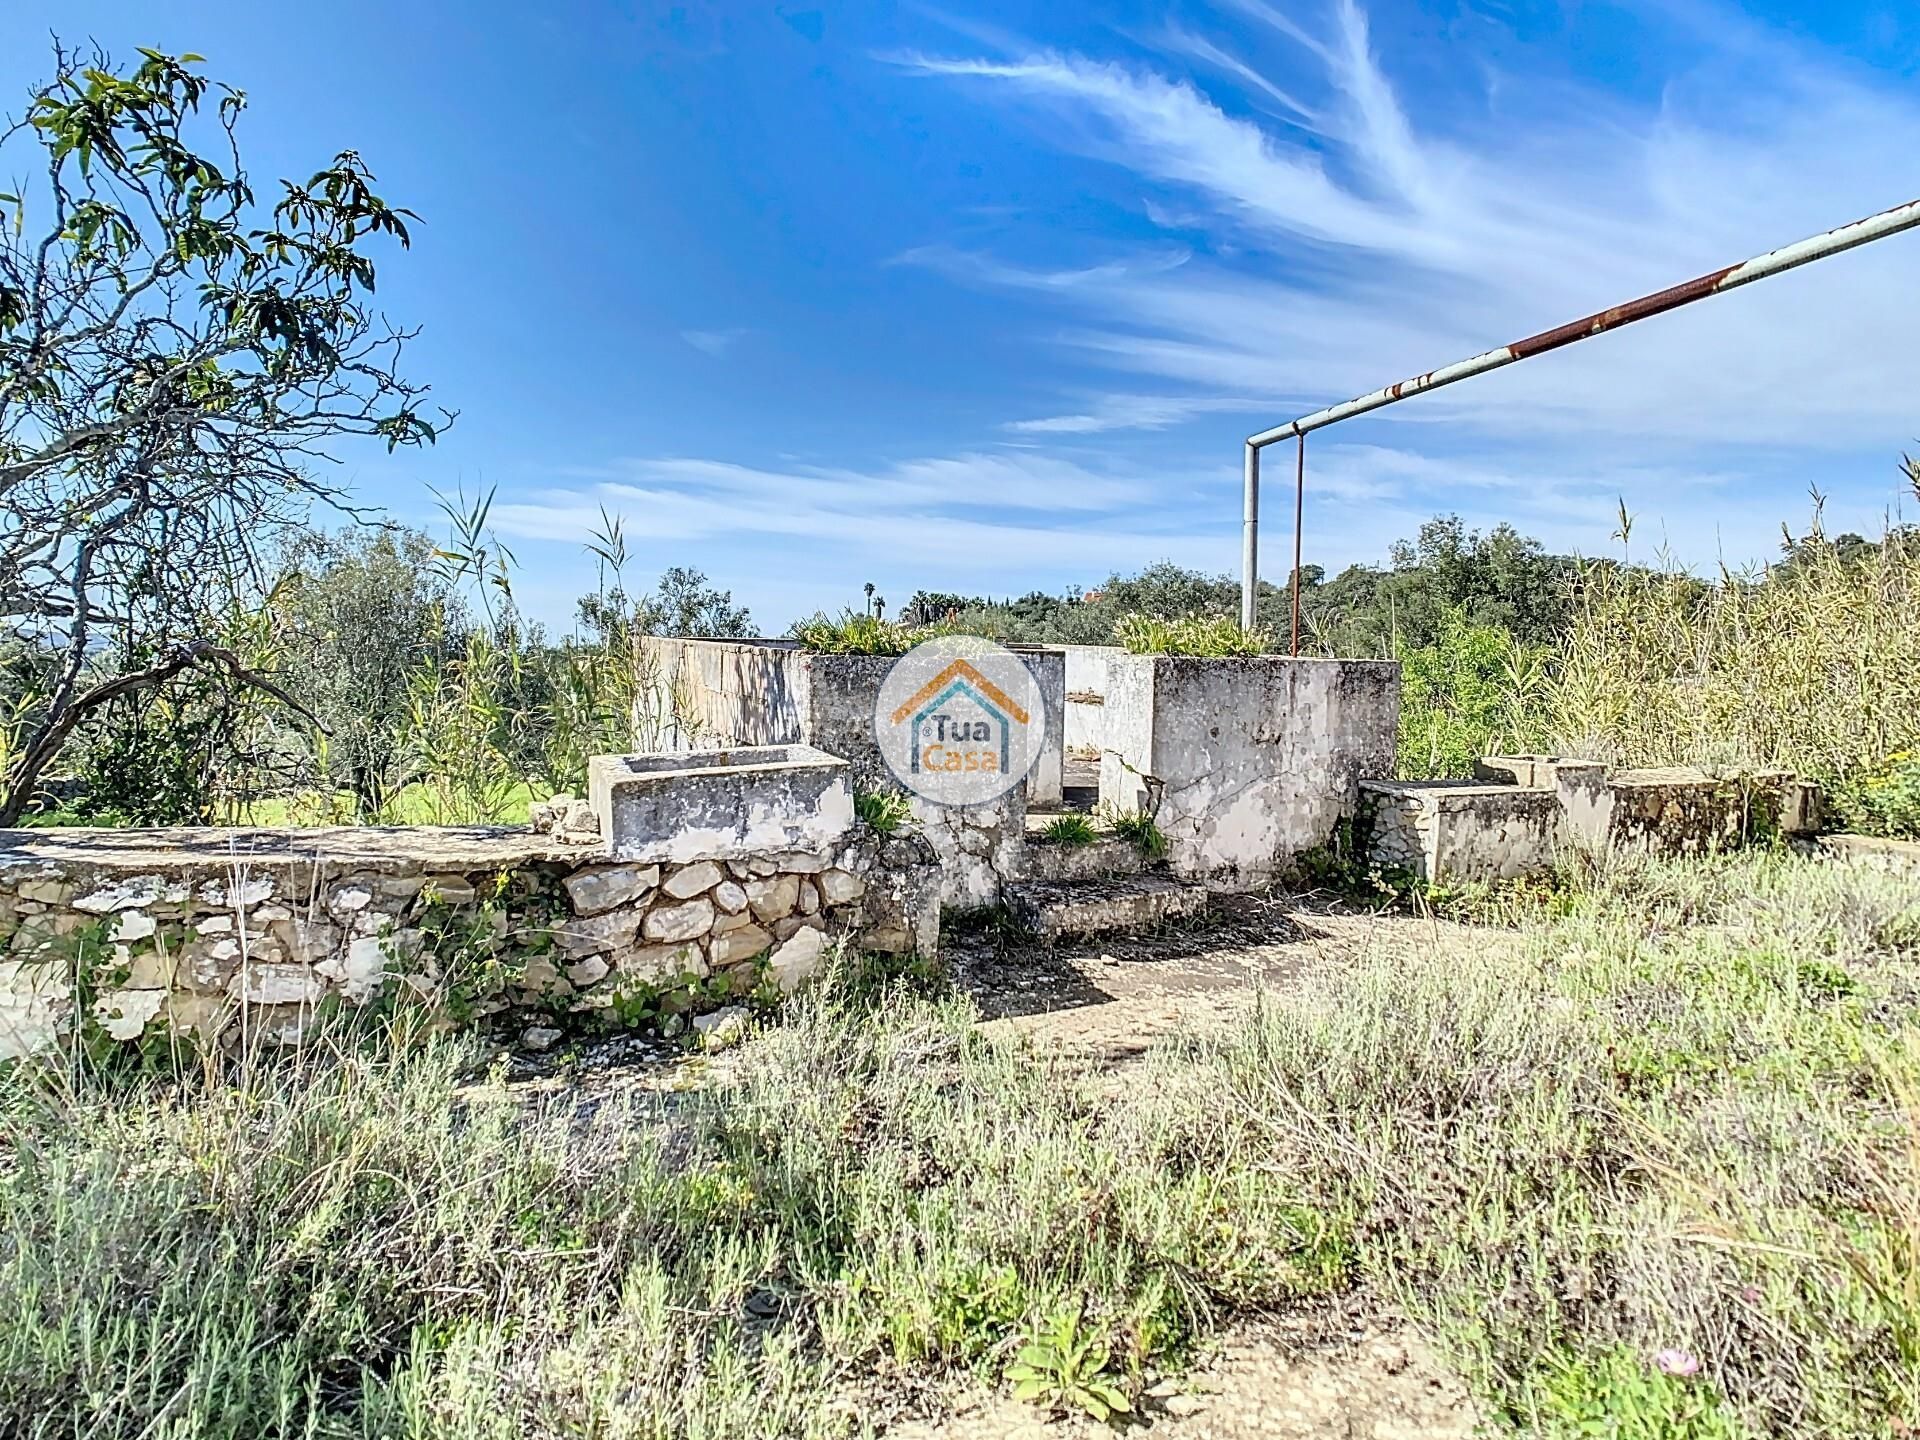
[
  {"x": 1788, "y": 257},
  {"x": 1299, "y": 527},
  {"x": 1250, "y": 534}
]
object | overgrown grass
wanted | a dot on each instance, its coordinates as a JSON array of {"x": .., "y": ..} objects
[
  {"x": 363, "y": 1245},
  {"x": 1683, "y": 1118},
  {"x": 1650, "y": 1163},
  {"x": 1071, "y": 830},
  {"x": 1207, "y": 636},
  {"x": 1813, "y": 665},
  {"x": 1139, "y": 827}
]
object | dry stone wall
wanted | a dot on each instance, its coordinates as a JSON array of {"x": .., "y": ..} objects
[{"x": 231, "y": 937}]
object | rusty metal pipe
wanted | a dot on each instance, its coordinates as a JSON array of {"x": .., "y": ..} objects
[{"x": 1718, "y": 282}]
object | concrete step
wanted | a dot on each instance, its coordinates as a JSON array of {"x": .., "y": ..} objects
[
  {"x": 1054, "y": 910},
  {"x": 1106, "y": 856}
]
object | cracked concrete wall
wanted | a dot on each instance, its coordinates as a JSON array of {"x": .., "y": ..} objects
[{"x": 1245, "y": 762}]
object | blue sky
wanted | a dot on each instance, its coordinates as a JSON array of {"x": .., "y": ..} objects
[{"x": 986, "y": 298}]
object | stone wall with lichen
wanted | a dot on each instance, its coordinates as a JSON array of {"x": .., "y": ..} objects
[{"x": 227, "y": 938}]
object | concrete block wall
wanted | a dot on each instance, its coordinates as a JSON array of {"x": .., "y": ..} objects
[
  {"x": 1525, "y": 811},
  {"x": 1457, "y": 829}
]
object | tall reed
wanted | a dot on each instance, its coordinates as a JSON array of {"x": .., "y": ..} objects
[{"x": 1813, "y": 663}]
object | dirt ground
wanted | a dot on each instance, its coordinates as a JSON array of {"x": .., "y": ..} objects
[
  {"x": 1110, "y": 999},
  {"x": 1350, "y": 1372}
]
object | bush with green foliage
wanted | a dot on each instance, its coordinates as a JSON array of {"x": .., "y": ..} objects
[
  {"x": 853, "y": 634},
  {"x": 1881, "y": 799},
  {"x": 1475, "y": 691}
]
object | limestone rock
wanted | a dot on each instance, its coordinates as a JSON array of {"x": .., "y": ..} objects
[
  {"x": 120, "y": 895},
  {"x": 267, "y": 984},
  {"x": 133, "y": 925},
  {"x": 738, "y": 945},
  {"x": 35, "y": 1002},
  {"x": 123, "y": 1014},
  {"x": 450, "y": 889},
  {"x": 602, "y": 887},
  {"x": 214, "y": 925},
  {"x": 809, "y": 898},
  {"x": 654, "y": 964},
  {"x": 589, "y": 971},
  {"x": 581, "y": 826},
  {"x": 599, "y": 932},
  {"x": 243, "y": 896},
  {"x": 695, "y": 879},
  {"x": 44, "y": 892},
  {"x": 773, "y": 898},
  {"x": 724, "y": 923},
  {"x": 152, "y": 969},
  {"x": 799, "y": 862},
  {"x": 540, "y": 1037},
  {"x": 794, "y": 924},
  {"x": 837, "y": 887},
  {"x": 797, "y": 960},
  {"x": 730, "y": 897},
  {"x": 358, "y": 969},
  {"x": 679, "y": 922},
  {"x": 349, "y": 899}
]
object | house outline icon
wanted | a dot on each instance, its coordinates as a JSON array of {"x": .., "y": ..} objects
[{"x": 957, "y": 678}]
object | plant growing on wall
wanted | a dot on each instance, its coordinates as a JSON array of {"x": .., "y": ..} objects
[
  {"x": 175, "y": 353},
  {"x": 1211, "y": 636}
]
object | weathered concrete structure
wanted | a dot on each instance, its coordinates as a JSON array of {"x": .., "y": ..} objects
[
  {"x": 238, "y": 936},
  {"x": 710, "y": 694},
  {"x": 1524, "y": 813},
  {"x": 719, "y": 804},
  {"x": 1245, "y": 762},
  {"x": 1086, "y": 679},
  {"x": 1457, "y": 829}
]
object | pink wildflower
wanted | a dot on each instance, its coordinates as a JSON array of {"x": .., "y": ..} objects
[{"x": 1676, "y": 1362}]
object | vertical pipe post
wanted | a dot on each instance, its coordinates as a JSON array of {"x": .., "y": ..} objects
[
  {"x": 1299, "y": 517},
  {"x": 1250, "y": 539}
]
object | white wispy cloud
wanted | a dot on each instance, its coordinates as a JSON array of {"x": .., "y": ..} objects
[
  {"x": 714, "y": 342},
  {"x": 1375, "y": 246}
]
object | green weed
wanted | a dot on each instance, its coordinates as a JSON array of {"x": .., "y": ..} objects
[
  {"x": 884, "y": 811},
  {"x": 1070, "y": 831},
  {"x": 1207, "y": 636}
]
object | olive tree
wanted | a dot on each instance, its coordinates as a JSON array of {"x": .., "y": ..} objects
[{"x": 177, "y": 359}]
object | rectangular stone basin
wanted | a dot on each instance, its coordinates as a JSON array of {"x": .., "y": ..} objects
[{"x": 720, "y": 804}]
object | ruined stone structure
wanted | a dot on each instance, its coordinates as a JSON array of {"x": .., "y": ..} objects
[{"x": 235, "y": 935}]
